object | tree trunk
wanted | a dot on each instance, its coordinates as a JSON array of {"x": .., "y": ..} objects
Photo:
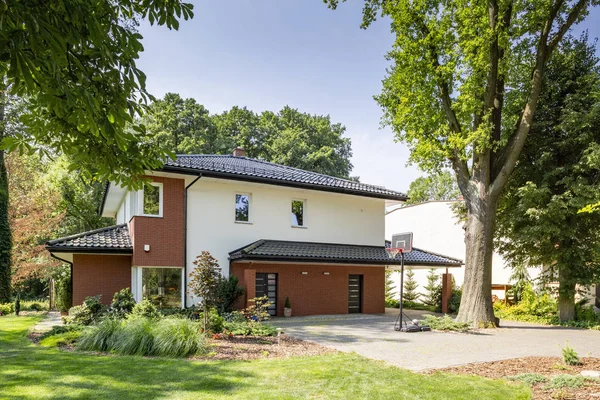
[
  {"x": 5, "y": 233},
  {"x": 476, "y": 302},
  {"x": 566, "y": 296}
]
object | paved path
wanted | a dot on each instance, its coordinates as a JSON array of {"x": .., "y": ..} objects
[
  {"x": 52, "y": 319},
  {"x": 373, "y": 336}
]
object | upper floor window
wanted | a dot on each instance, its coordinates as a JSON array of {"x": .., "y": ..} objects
[
  {"x": 298, "y": 209},
  {"x": 151, "y": 199},
  {"x": 242, "y": 208}
]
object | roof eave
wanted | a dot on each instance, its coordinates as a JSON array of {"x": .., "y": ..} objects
[
  {"x": 276, "y": 182},
  {"x": 251, "y": 257},
  {"x": 89, "y": 250}
]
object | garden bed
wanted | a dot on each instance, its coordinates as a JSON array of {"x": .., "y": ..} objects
[{"x": 548, "y": 367}]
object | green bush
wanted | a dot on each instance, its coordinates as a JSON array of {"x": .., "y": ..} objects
[
  {"x": 215, "y": 321},
  {"x": 562, "y": 381},
  {"x": 60, "y": 329},
  {"x": 7, "y": 308},
  {"x": 227, "y": 293},
  {"x": 529, "y": 378},
  {"x": 122, "y": 303},
  {"x": 445, "y": 323},
  {"x": 62, "y": 288},
  {"x": 249, "y": 328},
  {"x": 86, "y": 314},
  {"x": 34, "y": 306},
  {"x": 166, "y": 337},
  {"x": 18, "y": 304},
  {"x": 414, "y": 305},
  {"x": 392, "y": 303},
  {"x": 570, "y": 356},
  {"x": 61, "y": 339},
  {"x": 145, "y": 309}
]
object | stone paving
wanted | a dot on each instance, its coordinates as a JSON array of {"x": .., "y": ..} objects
[
  {"x": 52, "y": 319},
  {"x": 373, "y": 336}
]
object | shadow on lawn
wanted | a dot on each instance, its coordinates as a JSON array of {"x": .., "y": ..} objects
[{"x": 61, "y": 374}]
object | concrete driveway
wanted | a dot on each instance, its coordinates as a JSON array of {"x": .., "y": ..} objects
[{"x": 373, "y": 336}]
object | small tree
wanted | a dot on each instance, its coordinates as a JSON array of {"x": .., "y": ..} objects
[
  {"x": 390, "y": 288},
  {"x": 410, "y": 287},
  {"x": 204, "y": 282},
  {"x": 432, "y": 287}
]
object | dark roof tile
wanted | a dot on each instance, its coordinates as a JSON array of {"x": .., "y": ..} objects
[{"x": 111, "y": 239}]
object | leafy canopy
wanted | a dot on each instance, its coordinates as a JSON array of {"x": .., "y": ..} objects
[
  {"x": 75, "y": 61},
  {"x": 440, "y": 186}
]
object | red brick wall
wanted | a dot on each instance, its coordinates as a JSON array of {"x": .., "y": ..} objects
[
  {"x": 163, "y": 234},
  {"x": 316, "y": 293},
  {"x": 99, "y": 274}
]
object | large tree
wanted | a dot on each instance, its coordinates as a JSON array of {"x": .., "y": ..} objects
[
  {"x": 462, "y": 91},
  {"x": 436, "y": 186},
  {"x": 559, "y": 173},
  {"x": 75, "y": 62}
]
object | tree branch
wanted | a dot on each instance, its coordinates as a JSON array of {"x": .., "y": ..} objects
[{"x": 573, "y": 15}]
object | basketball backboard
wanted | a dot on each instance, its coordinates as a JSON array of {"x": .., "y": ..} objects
[{"x": 402, "y": 241}]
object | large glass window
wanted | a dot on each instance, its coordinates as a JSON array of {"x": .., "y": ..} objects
[
  {"x": 242, "y": 208},
  {"x": 151, "y": 201},
  {"x": 298, "y": 213},
  {"x": 162, "y": 286}
]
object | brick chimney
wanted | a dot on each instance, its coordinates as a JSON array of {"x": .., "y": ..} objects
[{"x": 239, "y": 152}]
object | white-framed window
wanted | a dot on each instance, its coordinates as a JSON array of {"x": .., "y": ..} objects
[
  {"x": 150, "y": 200},
  {"x": 242, "y": 207},
  {"x": 163, "y": 286},
  {"x": 298, "y": 213}
]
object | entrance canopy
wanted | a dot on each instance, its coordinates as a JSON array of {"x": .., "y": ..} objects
[{"x": 292, "y": 251}]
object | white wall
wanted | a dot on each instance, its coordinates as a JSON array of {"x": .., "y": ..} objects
[
  {"x": 329, "y": 217},
  {"x": 436, "y": 229}
]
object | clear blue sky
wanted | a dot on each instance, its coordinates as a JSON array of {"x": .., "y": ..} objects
[{"x": 265, "y": 54}]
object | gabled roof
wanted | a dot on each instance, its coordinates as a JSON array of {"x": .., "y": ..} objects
[
  {"x": 290, "y": 251},
  {"x": 252, "y": 170},
  {"x": 113, "y": 239}
]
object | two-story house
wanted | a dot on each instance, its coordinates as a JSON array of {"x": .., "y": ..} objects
[{"x": 284, "y": 232}]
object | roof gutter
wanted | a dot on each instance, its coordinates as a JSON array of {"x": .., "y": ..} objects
[{"x": 185, "y": 225}]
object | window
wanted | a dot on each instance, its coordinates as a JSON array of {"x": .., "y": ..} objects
[
  {"x": 152, "y": 200},
  {"x": 242, "y": 208},
  {"x": 162, "y": 286},
  {"x": 298, "y": 213}
]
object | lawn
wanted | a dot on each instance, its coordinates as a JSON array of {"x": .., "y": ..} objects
[{"x": 30, "y": 371}]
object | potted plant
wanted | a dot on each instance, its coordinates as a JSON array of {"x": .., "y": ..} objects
[{"x": 287, "y": 308}]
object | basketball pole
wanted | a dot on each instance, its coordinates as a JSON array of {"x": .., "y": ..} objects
[{"x": 401, "y": 287}]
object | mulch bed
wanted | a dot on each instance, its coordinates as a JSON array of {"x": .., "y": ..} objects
[
  {"x": 251, "y": 348},
  {"x": 547, "y": 366}
]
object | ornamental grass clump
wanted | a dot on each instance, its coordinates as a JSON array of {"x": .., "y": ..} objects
[
  {"x": 99, "y": 337},
  {"x": 134, "y": 337},
  {"x": 177, "y": 337}
]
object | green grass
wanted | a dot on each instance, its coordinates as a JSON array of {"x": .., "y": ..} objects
[{"x": 32, "y": 372}]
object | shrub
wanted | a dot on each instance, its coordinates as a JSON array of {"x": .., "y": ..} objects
[
  {"x": 7, "y": 308},
  {"x": 446, "y": 323},
  {"x": 529, "y": 378},
  {"x": 288, "y": 304},
  {"x": 177, "y": 337},
  {"x": 145, "y": 309},
  {"x": 122, "y": 303},
  {"x": 62, "y": 288},
  {"x": 86, "y": 314},
  {"x": 234, "y": 316},
  {"x": 258, "y": 310},
  {"x": 227, "y": 292},
  {"x": 561, "y": 381},
  {"x": 60, "y": 329},
  {"x": 100, "y": 337},
  {"x": 392, "y": 303},
  {"x": 61, "y": 339},
  {"x": 215, "y": 321},
  {"x": 570, "y": 356},
  {"x": 35, "y": 307},
  {"x": 167, "y": 337}
]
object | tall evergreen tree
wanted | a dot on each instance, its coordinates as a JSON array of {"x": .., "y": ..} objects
[
  {"x": 410, "y": 287},
  {"x": 429, "y": 298}
]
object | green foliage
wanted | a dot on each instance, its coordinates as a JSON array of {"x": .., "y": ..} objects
[
  {"x": 432, "y": 296},
  {"x": 122, "y": 303},
  {"x": 18, "y": 304},
  {"x": 455, "y": 298},
  {"x": 519, "y": 278},
  {"x": 529, "y": 378},
  {"x": 228, "y": 292},
  {"x": 392, "y": 303},
  {"x": 533, "y": 307},
  {"x": 204, "y": 282},
  {"x": 287, "y": 304},
  {"x": 61, "y": 339},
  {"x": 60, "y": 329},
  {"x": 543, "y": 198},
  {"x": 446, "y": 323},
  {"x": 34, "y": 305},
  {"x": 410, "y": 287},
  {"x": 165, "y": 337},
  {"x": 440, "y": 186},
  {"x": 258, "y": 309},
  {"x": 5, "y": 232},
  {"x": 418, "y": 306},
  {"x": 570, "y": 356},
  {"x": 288, "y": 137},
  {"x": 390, "y": 288},
  {"x": 88, "y": 313},
  {"x": 215, "y": 321},
  {"x": 564, "y": 380},
  {"x": 249, "y": 328},
  {"x": 62, "y": 288},
  {"x": 145, "y": 309},
  {"x": 7, "y": 308}
]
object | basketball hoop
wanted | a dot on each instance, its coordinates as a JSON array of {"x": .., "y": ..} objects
[{"x": 392, "y": 252}]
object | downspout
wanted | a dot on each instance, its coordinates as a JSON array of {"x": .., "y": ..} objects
[
  {"x": 71, "y": 264},
  {"x": 185, "y": 224}
]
